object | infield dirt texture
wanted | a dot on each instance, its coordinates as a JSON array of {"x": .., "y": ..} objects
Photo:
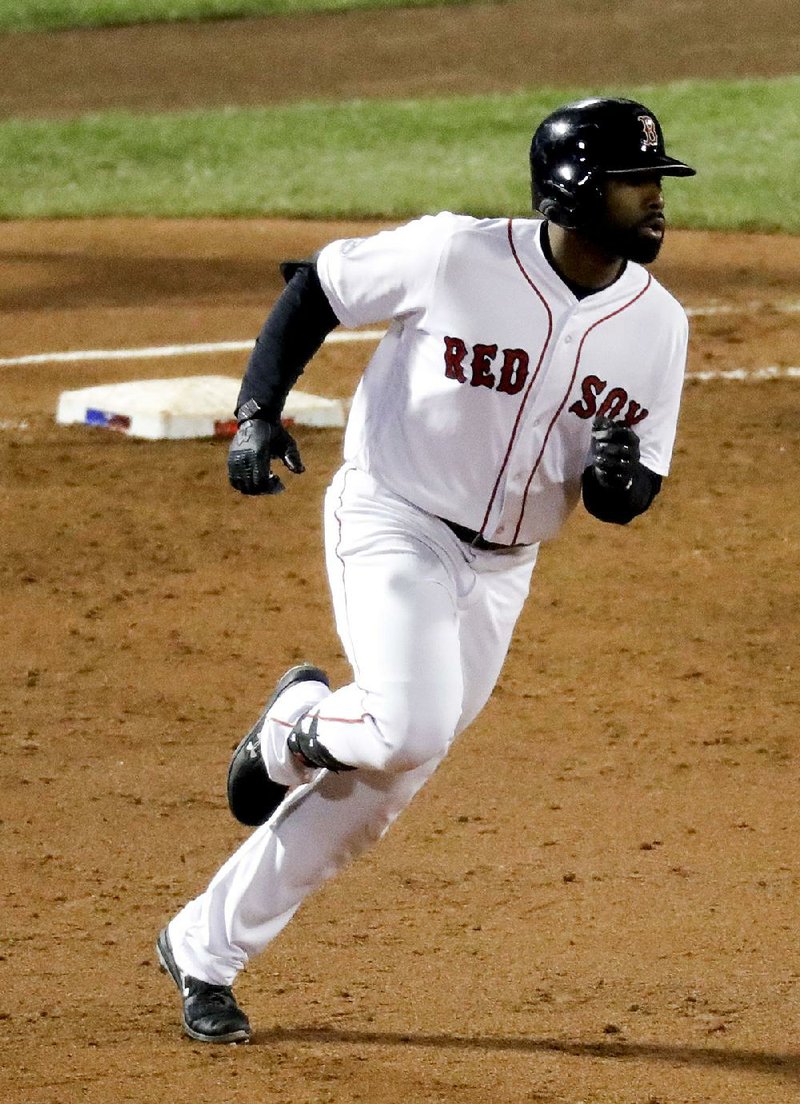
[{"x": 596, "y": 898}]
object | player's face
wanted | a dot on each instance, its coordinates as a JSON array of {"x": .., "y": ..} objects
[{"x": 633, "y": 223}]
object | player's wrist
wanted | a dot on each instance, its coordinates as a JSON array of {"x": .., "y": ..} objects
[
  {"x": 255, "y": 411},
  {"x": 250, "y": 410}
]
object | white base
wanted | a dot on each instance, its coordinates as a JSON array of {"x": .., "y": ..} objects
[{"x": 194, "y": 406}]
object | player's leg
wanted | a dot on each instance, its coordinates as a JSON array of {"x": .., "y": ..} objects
[
  {"x": 487, "y": 621},
  {"x": 315, "y": 832},
  {"x": 396, "y": 604},
  {"x": 337, "y": 816}
]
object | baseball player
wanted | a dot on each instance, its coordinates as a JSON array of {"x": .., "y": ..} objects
[{"x": 528, "y": 364}]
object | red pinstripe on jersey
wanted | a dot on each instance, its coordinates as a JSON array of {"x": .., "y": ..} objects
[
  {"x": 533, "y": 378},
  {"x": 554, "y": 419}
]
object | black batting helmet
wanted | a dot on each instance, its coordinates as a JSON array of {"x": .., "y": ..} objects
[{"x": 578, "y": 145}]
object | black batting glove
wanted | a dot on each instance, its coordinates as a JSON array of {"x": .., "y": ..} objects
[
  {"x": 255, "y": 444},
  {"x": 614, "y": 454}
]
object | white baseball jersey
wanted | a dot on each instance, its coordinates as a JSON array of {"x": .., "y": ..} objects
[
  {"x": 476, "y": 407},
  {"x": 477, "y": 404}
]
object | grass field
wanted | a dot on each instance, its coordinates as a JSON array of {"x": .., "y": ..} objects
[
  {"x": 392, "y": 159},
  {"x": 39, "y": 15}
]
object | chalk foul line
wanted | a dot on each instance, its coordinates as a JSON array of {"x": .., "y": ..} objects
[
  {"x": 157, "y": 352},
  {"x": 773, "y": 372}
]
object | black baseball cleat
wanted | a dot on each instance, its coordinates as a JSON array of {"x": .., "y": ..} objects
[
  {"x": 252, "y": 795},
  {"x": 210, "y": 1012}
]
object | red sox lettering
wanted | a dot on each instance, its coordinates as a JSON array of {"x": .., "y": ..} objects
[
  {"x": 511, "y": 373},
  {"x": 612, "y": 405},
  {"x": 512, "y": 370}
]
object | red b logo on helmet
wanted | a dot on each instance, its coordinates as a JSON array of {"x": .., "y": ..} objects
[{"x": 650, "y": 133}]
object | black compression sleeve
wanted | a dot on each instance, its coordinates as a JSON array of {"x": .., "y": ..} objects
[
  {"x": 295, "y": 329},
  {"x": 620, "y": 505}
]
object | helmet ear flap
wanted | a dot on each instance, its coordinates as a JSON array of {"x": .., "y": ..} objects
[
  {"x": 565, "y": 172},
  {"x": 572, "y": 204}
]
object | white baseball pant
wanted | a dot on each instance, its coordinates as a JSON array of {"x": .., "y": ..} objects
[{"x": 426, "y": 622}]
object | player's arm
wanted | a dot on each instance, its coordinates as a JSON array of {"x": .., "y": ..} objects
[
  {"x": 294, "y": 330},
  {"x": 616, "y": 486}
]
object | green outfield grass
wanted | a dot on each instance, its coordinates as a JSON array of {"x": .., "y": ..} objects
[
  {"x": 51, "y": 15},
  {"x": 394, "y": 159}
]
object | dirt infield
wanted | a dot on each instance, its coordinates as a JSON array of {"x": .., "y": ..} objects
[
  {"x": 477, "y": 48},
  {"x": 594, "y": 900}
]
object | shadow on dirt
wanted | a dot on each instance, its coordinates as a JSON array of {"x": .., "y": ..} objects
[{"x": 786, "y": 1065}]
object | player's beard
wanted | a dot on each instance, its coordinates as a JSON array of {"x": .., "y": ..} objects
[{"x": 629, "y": 243}]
